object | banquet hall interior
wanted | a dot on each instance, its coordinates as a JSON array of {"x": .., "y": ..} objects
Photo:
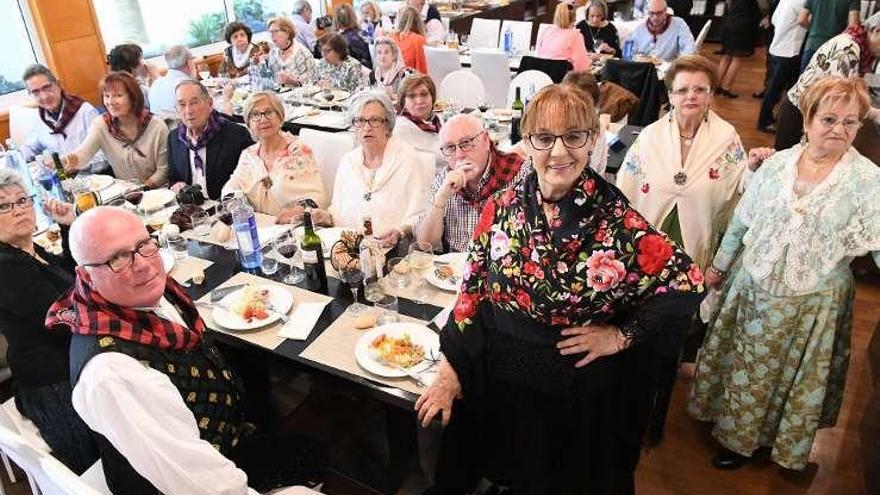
[{"x": 308, "y": 161}]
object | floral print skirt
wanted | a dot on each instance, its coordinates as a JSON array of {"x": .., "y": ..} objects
[{"x": 772, "y": 369}]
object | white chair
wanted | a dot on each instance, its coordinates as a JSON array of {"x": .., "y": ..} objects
[
  {"x": 541, "y": 28},
  {"x": 522, "y": 35},
  {"x": 21, "y": 123},
  {"x": 702, "y": 36},
  {"x": 329, "y": 148},
  {"x": 580, "y": 14},
  {"x": 493, "y": 68},
  {"x": 527, "y": 80},
  {"x": 463, "y": 87},
  {"x": 484, "y": 33},
  {"x": 441, "y": 61}
]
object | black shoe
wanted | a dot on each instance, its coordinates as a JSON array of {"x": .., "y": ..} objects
[
  {"x": 758, "y": 96},
  {"x": 728, "y": 459},
  {"x": 727, "y": 93},
  {"x": 767, "y": 129}
]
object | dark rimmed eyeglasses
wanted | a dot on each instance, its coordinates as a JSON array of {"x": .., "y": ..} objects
[
  {"x": 572, "y": 139},
  {"x": 121, "y": 261},
  {"x": 22, "y": 202},
  {"x": 466, "y": 144},
  {"x": 373, "y": 122}
]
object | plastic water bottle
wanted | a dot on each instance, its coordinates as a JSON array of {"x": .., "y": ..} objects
[
  {"x": 508, "y": 41},
  {"x": 253, "y": 77},
  {"x": 267, "y": 77},
  {"x": 628, "y": 47},
  {"x": 245, "y": 224},
  {"x": 15, "y": 161}
]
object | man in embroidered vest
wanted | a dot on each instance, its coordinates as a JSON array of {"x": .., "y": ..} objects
[
  {"x": 475, "y": 171},
  {"x": 62, "y": 121},
  {"x": 205, "y": 147},
  {"x": 165, "y": 408}
]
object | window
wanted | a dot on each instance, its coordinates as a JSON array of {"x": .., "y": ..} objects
[
  {"x": 17, "y": 54},
  {"x": 156, "y": 25}
]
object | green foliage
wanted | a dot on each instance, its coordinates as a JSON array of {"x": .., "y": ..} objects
[
  {"x": 7, "y": 86},
  {"x": 208, "y": 28},
  {"x": 248, "y": 10}
]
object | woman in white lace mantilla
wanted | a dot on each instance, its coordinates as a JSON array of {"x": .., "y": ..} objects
[{"x": 773, "y": 366}]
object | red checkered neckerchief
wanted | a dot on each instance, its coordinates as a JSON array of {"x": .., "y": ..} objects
[
  {"x": 69, "y": 106},
  {"x": 502, "y": 168},
  {"x": 116, "y": 131},
  {"x": 432, "y": 125},
  {"x": 83, "y": 311}
]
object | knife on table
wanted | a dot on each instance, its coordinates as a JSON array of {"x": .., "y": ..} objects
[{"x": 218, "y": 294}]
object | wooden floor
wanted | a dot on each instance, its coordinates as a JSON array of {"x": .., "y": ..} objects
[{"x": 681, "y": 464}]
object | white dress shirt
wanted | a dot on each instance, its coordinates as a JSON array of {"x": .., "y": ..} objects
[
  {"x": 198, "y": 176},
  {"x": 163, "y": 102},
  {"x": 141, "y": 413},
  {"x": 305, "y": 32},
  {"x": 42, "y": 140},
  {"x": 788, "y": 36}
]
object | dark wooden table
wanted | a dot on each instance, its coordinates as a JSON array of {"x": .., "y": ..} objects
[{"x": 401, "y": 452}]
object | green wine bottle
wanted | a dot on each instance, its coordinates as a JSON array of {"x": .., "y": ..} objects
[
  {"x": 313, "y": 257},
  {"x": 516, "y": 116},
  {"x": 59, "y": 168}
]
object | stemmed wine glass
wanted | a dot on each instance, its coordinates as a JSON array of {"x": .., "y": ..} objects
[
  {"x": 286, "y": 246},
  {"x": 354, "y": 277},
  {"x": 421, "y": 254}
]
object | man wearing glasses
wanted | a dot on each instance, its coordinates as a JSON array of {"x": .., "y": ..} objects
[
  {"x": 662, "y": 35},
  {"x": 63, "y": 119},
  {"x": 165, "y": 408},
  {"x": 475, "y": 171}
]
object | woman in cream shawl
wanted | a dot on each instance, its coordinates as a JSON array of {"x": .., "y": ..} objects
[{"x": 684, "y": 173}]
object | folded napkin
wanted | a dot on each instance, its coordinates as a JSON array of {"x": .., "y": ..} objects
[{"x": 302, "y": 320}]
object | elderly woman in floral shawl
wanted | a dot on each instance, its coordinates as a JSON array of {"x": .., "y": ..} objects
[{"x": 550, "y": 345}]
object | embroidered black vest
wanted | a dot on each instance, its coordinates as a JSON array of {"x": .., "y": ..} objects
[{"x": 208, "y": 388}]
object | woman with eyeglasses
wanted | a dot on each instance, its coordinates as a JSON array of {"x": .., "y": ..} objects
[
  {"x": 547, "y": 368},
  {"x": 32, "y": 280},
  {"x": 290, "y": 60},
  {"x": 383, "y": 178},
  {"x": 773, "y": 366},
  {"x": 278, "y": 174},
  {"x": 337, "y": 67}
]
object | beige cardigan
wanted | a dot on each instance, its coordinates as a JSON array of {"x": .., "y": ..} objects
[{"x": 126, "y": 162}]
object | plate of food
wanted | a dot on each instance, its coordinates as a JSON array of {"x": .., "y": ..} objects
[
  {"x": 156, "y": 199},
  {"x": 385, "y": 349},
  {"x": 502, "y": 114},
  {"x": 253, "y": 306},
  {"x": 99, "y": 182},
  {"x": 336, "y": 96},
  {"x": 446, "y": 271}
]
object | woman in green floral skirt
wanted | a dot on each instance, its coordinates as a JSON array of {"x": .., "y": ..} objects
[{"x": 772, "y": 369}]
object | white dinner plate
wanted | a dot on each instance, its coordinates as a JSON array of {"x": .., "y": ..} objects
[
  {"x": 99, "y": 182},
  {"x": 456, "y": 262},
  {"x": 328, "y": 235},
  {"x": 338, "y": 96},
  {"x": 419, "y": 334},
  {"x": 167, "y": 260},
  {"x": 280, "y": 298},
  {"x": 503, "y": 116},
  {"x": 156, "y": 199}
]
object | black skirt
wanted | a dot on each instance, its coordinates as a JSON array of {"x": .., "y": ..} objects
[{"x": 740, "y": 30}]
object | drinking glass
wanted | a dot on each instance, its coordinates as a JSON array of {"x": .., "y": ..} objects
[
  {"x": 398, "y": 272},
  {"x": 201, "y": 223},
  {"x": 287, "y": 246},
  {"x": 420, "y": 256},
  {"x": 268, "y": 262},
  {"x": 353, "y": 277},
  {"x": 178, "y": 247},
  {"x": 387, "y": 310},
  {"x": 84, "y": 198}
]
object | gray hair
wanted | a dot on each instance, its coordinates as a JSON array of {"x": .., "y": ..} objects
[
  {"x": 462, "y": 118},
  {"x": 10, "y": 178},
  {"x": 192, "y": 82},
  {"x": 872, "y": 22},
  {"x": 301, "y": 6},
  {"x": 390, "y": 43},
  {"x": 362, "y": 99},
  {"x": 39, "y": 70},
  {"x": 178, "y": 56}
]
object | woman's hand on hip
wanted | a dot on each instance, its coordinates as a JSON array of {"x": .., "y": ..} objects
[
  {"x": 439, "y": 396},
  {"x": 595, "y": 340}
]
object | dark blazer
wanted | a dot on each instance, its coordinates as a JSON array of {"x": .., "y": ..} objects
[{"x": 220, "y": 160}]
